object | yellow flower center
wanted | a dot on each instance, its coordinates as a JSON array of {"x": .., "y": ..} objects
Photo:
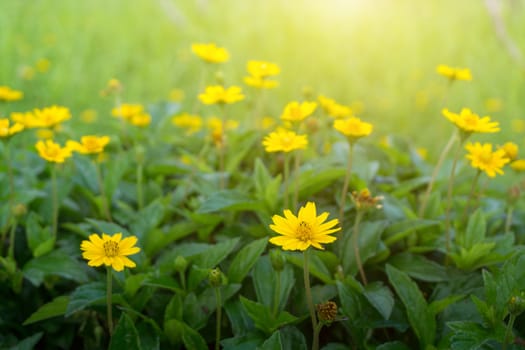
[
  {"x": 470, "y": 120},
  {"x": 111, "y": 248},
  {"x": 304, "y": 231}
]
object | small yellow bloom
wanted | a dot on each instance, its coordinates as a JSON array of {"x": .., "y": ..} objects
[
  {"x": 210, "y": 52},
  {"x": 192, "y": 123},
  {"x": 470, "y": 122},
  {"x": 176, "y": 95},
  {"x": 45, "y": 134},
  {"x": 296, "y": 112},
  {"x": 24, "y": 118},
  {"x": 8, "y": 129},
  {"x": 262, "y": 69},
  {"x": 483, "y": 158},
  {"x": 260, "y": 82},
  {"x": 353, "y": 128},
  {"x": 52, "y": 151},
  {"x": 304, "y": 230},
  {"x": 109, "y": 250},
  {"x": 518, "y": 165},
  {"x": 89, "y": 144},
  {"x": 422, "y": 152},
  {"x": 217, "y": 94},
  {"x": 141, "y": 120},
  {"x": 127, "y": 110},
  {"x": 267, "y": 122},
  {"x": 48, "y": 117},
  {"x": 113, "y": 87},
  {"x": 334, "y": 109},
  {"x": 88, "y": 116},
  {"x": 7, "y": 94},
  {"x": 215, "y": 123},
  {"x": 511, "y": 150},
  {"x": 284, "y": 141},
  {"x": 42, "y": 65},
  {"x": 493, "y": 105},
  {"x": 454, "y": 73}
]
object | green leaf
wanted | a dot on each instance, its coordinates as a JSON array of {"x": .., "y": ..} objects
[
  {"x": 239, "y": 320},
  {"x": 265, "y": 281},
  {"x": 28, "y": 343},
  {"x": 148, "y": 218},
  {"x": 263, "y": 318},
  {"x": 474, "y": 257},
  {"x": 316, "y": 266},
  {"x": 476, "y": 230},
  {"x": 419, "y": 267},
  {"x": 394, "y": 345},
  {"x": 115, "y": 170},
  {"x": 421, "y": 319},
  {"x": 56, "y": 263},
  {"x": 272, "y": 343},
  {"x": 44, "y": 247},
  {"x": 211, "y": 257},
  {"x": 56, "y": 307},
  {"x": 380, "y": 297},
  {"x": 229, "y": 200},
  {"x": 292, "y": 338},
  {"x": 190, "y": 337},
  {"x": 158, "y": 239},
  {"x": 369, "y": 244},
  {"x": 163, "y": 281},
  {"x": 84, "y": 296},
  {"x": 311, "y": 181},
  {"x": 107, "y": 227},
  {"x": 470, "y": 335},
  {"x": 38, "y": 239},
  {"x": 400, "y": 230},
  {"x": 438, "y": 306},
  {"x": 125, "y": 335},
  {"x": 245, "y": 259}
]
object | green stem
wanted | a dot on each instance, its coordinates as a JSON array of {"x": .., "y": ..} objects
[
  {"x": 11, "y": 252},
  {"x": 297, "y": 160},
  {"x": 219, "y": 318},
  {"x": 140, "y": 198},
  {"x": 286, "y": 179},
  {"x": 508, "y": 219},
  {"x": 345, "y": 189},
  {"x": 309, "y": 300},
  {"x": 109, "y": 295},
  {"x": 508, "y": 331},
  {"x": 105, "y": 202},
  {"x": 11, "y": 197},
  {"x": 182, "y": 279},
  {"x": 449, "y": 198},
  {"x": 470, "y": 196},
  {"x": 317, "y": 331},
  {"x": 430, "y": 185},
  {"x": 355, "y": 241},
  {"x": 222, "y": 150},
  {"x": 54, "y": 198},
  {"x": 277, "y": 294}
]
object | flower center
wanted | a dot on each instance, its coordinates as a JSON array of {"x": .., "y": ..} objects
[
  {"x": 111, "y": 248},
  {"x": 304, "y": 231}
]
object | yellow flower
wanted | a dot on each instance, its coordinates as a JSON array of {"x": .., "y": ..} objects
[
  {"x": 48, "y": 117},
  {"x": 176, "y": 95},
  {"x": 215, "y": 123},
  {"x": 422, "y": 152},
  {"x": 88, "y": 116},
  {"x": 334, "y": 109},
  {"x": 218, "y": 94},
  {"x": 141, "y": 120},
  {"x": 210, "y": 52},
  {"x": 454, "y": 73},
  {"x": 470, "y": 122},
  {"x": 493, "y": 105},
  {"x": 483, "y": 158},
  {"x": 296, "y": 112},
  {"x": 260, "y": 82},
  {"x": 24, "y": 118},
  {"x": 114, "y": 86},
  {"x": 109, "y": 250},
  {"x": 353, "y": 128},
  {"x": 127, "y": 111},
  {"x": 7, "y": 94},
  {"x": 8, "y": 129},
  {"x": 89, "y": 144},
  {"x": 304, "y": 230},
  {"x": 52, "y": 152},
  {"x": 511, "y": 150},
  {"x": 45, "y": 134},
  {"x": 518, "y": 125},
  {"x": 518, "y": 165},
  {"x": 285, "y": 141},
  {"x": 267, "y": 122},
  {"x": 193, "y": 123},
  {"x": 42, "y": 65},
  {"x": 262, "y": 69}
]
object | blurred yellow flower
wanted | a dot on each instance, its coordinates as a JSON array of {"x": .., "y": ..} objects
[
  {"x": 114, "y": 86},
  {"x": 518, "y": 165},
  {"x": 217, "y": 94},
  {"x": 510, "y": 149},
  {"x": 141, "y": 120},
  {"x": 88, "y": 116},
  {"x": 210, "y": 52},
  {"x": 259, "y": 72},
  {"x": 8, "y": 129},
  {"x": 470, "y": 122},
  {"x": 192, "y": 123},
  {"x": 284, "y": 141},
  {"x": 483, "y": 158},
  {"x": 7, "y": 94},
  {"x": 334, "y": 109},
  {"x": 260, "y": 82},
  {"x": 267, "y": 122},
  {"x": 89, "y": 144},
  {"x": 454, "y": 73},
  {"x": 52, "y": 151},
  {"x": 493, "y": 105},
  {"x": 127, "y": 110},
  {"x": 42, "y": 65},
  {"x": 176, "y": 95},
  {"x": 422, "y": 152},
  {"x": 215, "y": 123},
  {"x": 109, "y": 250},
  {"x": 518, "y": 125},
  {"x": 48, "y": 117},
  {"x": 304, "y": 230},
  {"x": 45, "y": 134},
  {"x": 353, "y": 128},
  {"x": 296, "y": 112}
]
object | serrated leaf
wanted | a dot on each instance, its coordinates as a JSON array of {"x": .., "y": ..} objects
[
  {"x": 272, "y": 343},
  {"x": 245, "y": 259},
  {"x": 438, "y": 306},
  {"x": 125, "y": 335},
  {"x": 56, "y": 307},
  {"x": 263, "y": 318}
]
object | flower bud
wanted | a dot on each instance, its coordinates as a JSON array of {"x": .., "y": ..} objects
[
  {"x": 277, "y": 259},
  {"x": 180, "y": 264},
  {"x": 215, "y": 277},
  {"x": 516, "y": 304},
  {"x": 327, "y": 312},
  {"x": 19, "y": 210}
]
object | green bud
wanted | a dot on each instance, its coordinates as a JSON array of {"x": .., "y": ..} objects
[
  {"x": 339, "y": 273},
  {"x": 277, "y": 259},
  {"x": 516, "y": 304},
  {"x": 180, "y": 264},
  {"x": 215, "y": 277},
  {"x": 19, "y": 210}
]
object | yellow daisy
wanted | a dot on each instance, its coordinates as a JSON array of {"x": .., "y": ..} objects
[
  {"x": 89, "y": 144},
  {"x": 518, "y": 165},
  {"x": 470, "y": 122},
  {"x": 284, "y": 141},
  {"x": 454, "y": 73},
  {"x": 511, "y": 150},
  {"x": 49, "y": 117},
  {"x": 193, "y": 123},
  {"x": 8, "y": 129},
  {"x": 7, "y": 94},
  {"x": 353, "y": 127},
  {"x": 483, "y": 158},
  {"x": 109, "y": 250},
  {"x": 210, "y": 52},
  {"x": 304, "y": 230},
  {"x": 127, "y": 110},
  {"x": 217, "y": 94},
  {"x": 296, "y": 112},
  {"x": 52, "y": 151}
]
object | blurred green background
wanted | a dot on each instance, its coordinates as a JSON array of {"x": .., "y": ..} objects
[{"x": 380, "y": 53}]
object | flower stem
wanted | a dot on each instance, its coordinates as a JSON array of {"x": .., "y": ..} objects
[
  {"x": 109, "y": 295},
  {"x": 286, "y": 177},
  {"x": 219, "y": 318},
  {"x": 508, "y": 219},
  {"x": 508, "y": 331},
  {"x": 11, "y": 197},
  {"x": 430, "y": 185},
  {"x": 297, "y": 160},
  {"x": 345, "y": 188},
  {"x": 11, "y": 252},
  {"x": 105, "y": 202},
  {"x": 54, "y": 198},
  {"x": 470, "y": 196},
  {"x": 449, "y": 198},
  {"x": 140, "y": 197},
  {"x": 309, "y": 300},
  {"x": 355, "y": 240},
  {"x": 222, "y": 149},
  {"x": 277, "y": 294}
]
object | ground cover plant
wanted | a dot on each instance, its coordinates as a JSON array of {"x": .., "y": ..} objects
[{"x": 249, "y": 210}]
